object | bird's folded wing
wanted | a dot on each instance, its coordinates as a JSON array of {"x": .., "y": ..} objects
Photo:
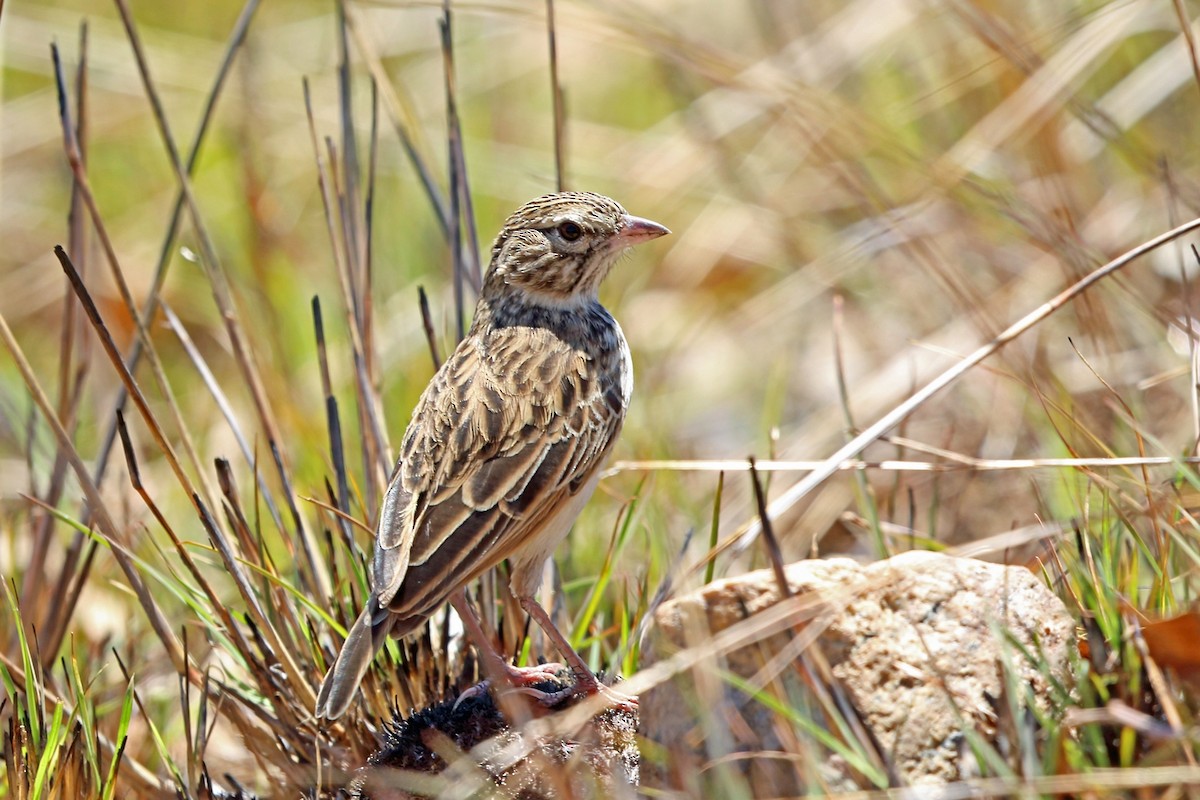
[{"x": 507, "y": 429}]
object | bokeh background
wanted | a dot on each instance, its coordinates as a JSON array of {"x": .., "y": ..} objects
[{"x": 860, "y": 193}]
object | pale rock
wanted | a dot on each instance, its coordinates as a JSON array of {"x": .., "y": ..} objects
[{"x": 916, "y": 643}]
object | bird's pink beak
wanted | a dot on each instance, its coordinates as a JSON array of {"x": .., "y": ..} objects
[{"x": 635, "y": 230}]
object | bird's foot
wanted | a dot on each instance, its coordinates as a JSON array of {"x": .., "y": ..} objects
[
  {"x": 523, "y": 680},
  {"x": 526, "y": 680},
  {"x": 587, "y": 684}
]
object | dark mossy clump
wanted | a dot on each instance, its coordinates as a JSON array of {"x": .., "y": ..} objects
[{"x": 599, "y": 760}]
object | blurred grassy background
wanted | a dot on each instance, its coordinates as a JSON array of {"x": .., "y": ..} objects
[{"x": 942, "y": 167}]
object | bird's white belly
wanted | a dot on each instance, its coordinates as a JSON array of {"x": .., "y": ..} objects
[
  {"x": 528, "y": 562},
  {"x": 626, "y": 366}
]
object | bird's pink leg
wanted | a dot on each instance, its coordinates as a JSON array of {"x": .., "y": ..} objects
[
  {"x": 585, "y": 679},
  {"x": 496, "y": 666}
]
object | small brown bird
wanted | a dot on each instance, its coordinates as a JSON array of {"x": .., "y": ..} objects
[{"x": 506, "y": 443}]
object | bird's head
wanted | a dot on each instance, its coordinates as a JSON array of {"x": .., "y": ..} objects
[{"x": 559, "y": 247}]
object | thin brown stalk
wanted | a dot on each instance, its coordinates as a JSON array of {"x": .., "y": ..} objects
[
  {"x": 215, "y": 533},
  {"x": 459, "y": 182},
  {"x": 774, "y": 553},
  {"x": 296, "y": 678},
  {"x": 202, "y": 732},
  {"x": 135, "y": 480},
  {"x": 372, "y": 402},
  {"x": 367, "y": 405},
  {"x": 342, "y": 213},
  {"x": 110, "y": 348},
  {"x": 351, "y": 204},
  {"x": 251, "y": 552},
  {"x": 77, "y": 233},
  {"x": 335, "y": 574},
  {"x": 1185, "y": 27},
  {"x": 150, "y": 305},
  {"x": 277, "y": 624},
  {"x": 333, "y": 423},
  {"x": 427, "y": 324},
  {"x": 556, "y": 96},
  {"x": 368, "y": 305},
  {"x": 864, "y": 487},
  {"x": 332, "y": 508},
  {"x": 453, "y": 132},
  {"x": 70, "y": 587}
]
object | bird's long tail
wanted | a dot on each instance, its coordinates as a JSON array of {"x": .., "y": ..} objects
[{"x": 364, "y": 640}]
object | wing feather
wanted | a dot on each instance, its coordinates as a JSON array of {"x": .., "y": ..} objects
[
  {"x": 503, "y": 476},
  {"x": 511, "y": 425}
]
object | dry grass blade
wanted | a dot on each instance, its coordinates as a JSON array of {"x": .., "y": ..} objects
[
  {"x": 427, "y": 326},
  {"x": 350, "y": 202},
  {"x": 292, "y": 671},
  {"x": 957, "y": 462},
  {"x": 556, "y": 97},
  {"x": 356, "y": 232},
  {"x": 334, "y": 425},
  {"x": 368, "y": 302},
  {"x": 1189, "y": 35},
  {"x": 135, "y": 479},
  {"x": 210, "y": 381},
  {"x": 110, "y": 348},
  {"x": 1101, "y": 782},
  {"x": 296, "y": 677},
  {"x": 774, "y": 554},
  {"x": 454, "y": 145}
]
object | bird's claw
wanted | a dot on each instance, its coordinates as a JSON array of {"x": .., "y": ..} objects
[
  {"x": 478, "y": 690},
  {"x": 523, "y": 680},
  {"x": 588, "y": 685}
]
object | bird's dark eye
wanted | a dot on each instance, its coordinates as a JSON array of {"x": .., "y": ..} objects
[{"x": 570, "y": 231}]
